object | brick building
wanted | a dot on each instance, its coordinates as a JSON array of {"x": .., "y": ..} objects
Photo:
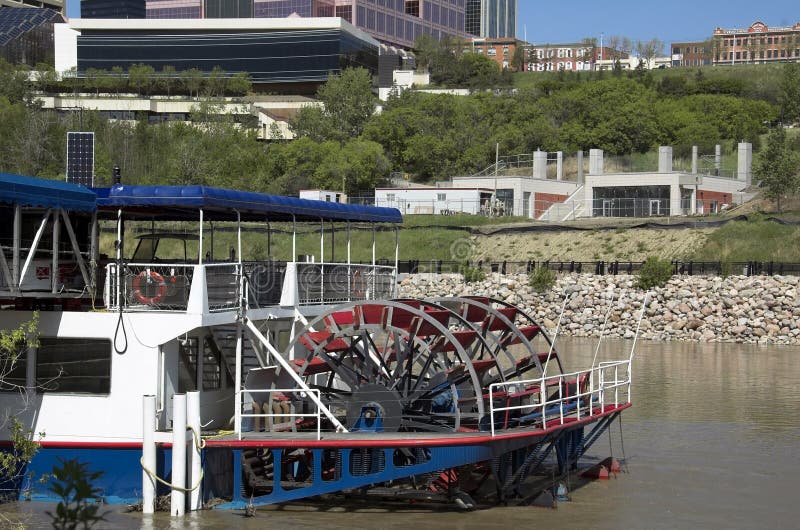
[
  {"x": 501, "y": 50},
  {"x": 757, "y": 44},
  {"x": 691, "y": 53}
]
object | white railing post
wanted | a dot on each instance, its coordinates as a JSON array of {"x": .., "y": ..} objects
[
  {"x": 148, "y": 454},
  {"x": 196, "y": 468},
  {"x": 177, "y": 506},
  {"x": 491, "y": 407}
]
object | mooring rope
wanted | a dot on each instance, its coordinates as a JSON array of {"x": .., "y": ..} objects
[{"x": 199, "y": 444}]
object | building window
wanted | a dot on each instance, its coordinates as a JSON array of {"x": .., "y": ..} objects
[
  {"x": 441, "y": 197},
  {"x": 73, "y": 365},
  {"x": 390, "y": 197},
  {"x": 505, "y": 50}
]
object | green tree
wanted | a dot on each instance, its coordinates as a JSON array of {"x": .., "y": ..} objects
[
  {"x": 140, "y": 77},
  {"x": 778, "y": 167},
  {"x": 216, "y": 82},
  {"x": 789, "y": 97},
  {"x": 118, "y": 79},
  {"x": 192, "y": 80},
  {"x": 239, "y": 84},
  {"x": 167, "y": 78},
  {"x": 348, "y": 103}
]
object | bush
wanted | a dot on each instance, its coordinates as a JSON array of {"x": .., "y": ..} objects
[
  {"x": 655, "y": 272},
  {"x": 471, "y": 274},
  {"x": 542, "y": 279},
  {"x": 80, "y": 500}
]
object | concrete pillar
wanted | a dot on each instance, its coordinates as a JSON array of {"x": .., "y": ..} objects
[
  {"x": 560, "y": 165},
  {"x": 745, "y": 167},
  {"x": 595, "y": 161},
  {"x": 695, "y": 159},
  {"x": 665, "y": 159},
  {"x": 694, "y": 201},
  {"x": 717, "y": 159},
  {"x": 579, "y": 160},
  {"x": 540, "y": 165}
]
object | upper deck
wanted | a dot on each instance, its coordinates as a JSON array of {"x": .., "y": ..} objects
[{"x": 193, "y": 281}]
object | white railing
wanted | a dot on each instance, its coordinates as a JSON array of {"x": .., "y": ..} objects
[
  {"x": 332, "y": 283},
  {"x": 222, "y": 286},
  {"x": 149, "y": 286},
  {"x": 576, "y": 395},
  {"x": 270, "y": 415}
]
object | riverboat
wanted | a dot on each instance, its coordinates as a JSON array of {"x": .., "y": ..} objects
[{"x": 303, "y": 377}]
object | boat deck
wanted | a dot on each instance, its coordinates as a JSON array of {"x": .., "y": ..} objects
[{"x": 310, "y": 439}]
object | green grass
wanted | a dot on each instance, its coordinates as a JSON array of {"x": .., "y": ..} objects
[{"x": 756, "y": 240}]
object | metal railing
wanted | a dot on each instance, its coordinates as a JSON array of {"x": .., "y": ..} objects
[
  {"x": 575, "y": 396},
  {"x": 264, "y": 282},
  {"x": 330, "y": 283},
  {"x": 223, "y": 286},
  {"x": 269, "y": 416},
  {"x": 149, "y": 286}
]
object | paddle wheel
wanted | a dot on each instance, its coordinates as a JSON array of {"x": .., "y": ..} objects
[{"x": 404, "y": 390}]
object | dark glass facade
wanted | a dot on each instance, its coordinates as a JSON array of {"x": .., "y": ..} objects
[
  {"x": 631, "y": 201},
  {"x": 228, "y": 8},
  {"x": 269, "y": 56},
  {"x": 473, "y": 17},
  {"x": 113, "y": 8}
]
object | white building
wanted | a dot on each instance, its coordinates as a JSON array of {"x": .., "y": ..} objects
[
  {"x": 323, "y": 195},
  {"x": 427, "y": 200}
]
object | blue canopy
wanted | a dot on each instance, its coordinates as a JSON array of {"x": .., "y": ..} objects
[
  {"x": 182, "y": 202},
  {"x": 36, "y": 192}
]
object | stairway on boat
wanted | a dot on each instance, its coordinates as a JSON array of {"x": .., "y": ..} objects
[{"x": 224, "y": 341}]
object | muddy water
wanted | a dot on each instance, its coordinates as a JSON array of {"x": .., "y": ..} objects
[{"x": 711, "y": 442}]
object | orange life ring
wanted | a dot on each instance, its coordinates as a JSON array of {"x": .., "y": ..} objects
[{"x": 161, "y": 287}]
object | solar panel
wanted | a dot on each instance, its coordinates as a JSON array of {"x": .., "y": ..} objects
[
  {"x": 80, "y": 158},
  {"x": 15, "y": 21}
]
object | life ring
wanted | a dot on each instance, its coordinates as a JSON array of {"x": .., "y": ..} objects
[{"x": 161, "y": 287}]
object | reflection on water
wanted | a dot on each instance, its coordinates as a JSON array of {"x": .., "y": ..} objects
[{"x": 710, "y": 443}]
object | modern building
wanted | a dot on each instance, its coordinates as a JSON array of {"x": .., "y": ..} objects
[
  {"x": 500, "y": 50},
  {"x": 491, "y": 19},
  {"x": 113, "y": 8},
  {"x": 27, "y": 34},
  {"x": 757, "y": 44},
  {"x": 435, "y": 201},
  {"x": 289, "y": 55},
  {"x": 393, "y": 22},
  {"x": 57, "y": 5},
  {"x": 691, "y": 53}
]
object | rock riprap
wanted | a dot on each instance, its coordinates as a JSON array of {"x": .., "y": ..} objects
[{"x": 756, "y": 309}]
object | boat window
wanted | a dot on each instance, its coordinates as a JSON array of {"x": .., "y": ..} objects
[
  {"x": 73, "y": 365},
  {"x": 188, "y": 349}
]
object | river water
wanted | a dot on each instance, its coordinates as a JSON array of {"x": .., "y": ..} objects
[{"x": 712, "y": 441}]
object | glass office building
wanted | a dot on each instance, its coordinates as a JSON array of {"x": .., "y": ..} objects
[
  {"x": 113, "y": 8},
  {"x": 26, "y": 34},
  {"x": 394, "y": 22},
  {"x": 272, "y": 51},
  {"x": 491, "y": 19}
]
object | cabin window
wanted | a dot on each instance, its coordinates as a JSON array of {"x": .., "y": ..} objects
[
  {"x": 187, "y": 351},
  {"x": 73, "y": 365}
]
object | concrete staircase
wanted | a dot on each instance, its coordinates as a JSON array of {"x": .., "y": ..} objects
[{"x": 572, "y": 208}]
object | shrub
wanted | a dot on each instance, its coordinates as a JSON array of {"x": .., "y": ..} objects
[
  {"x": 471, "y": 274},
  {"x": 80, "y": 500},
  {"x": 655, "y": 272},
  {"x": 542, "y": 279}
]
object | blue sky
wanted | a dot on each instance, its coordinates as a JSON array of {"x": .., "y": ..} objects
[{"x": 672, "y": 21}]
